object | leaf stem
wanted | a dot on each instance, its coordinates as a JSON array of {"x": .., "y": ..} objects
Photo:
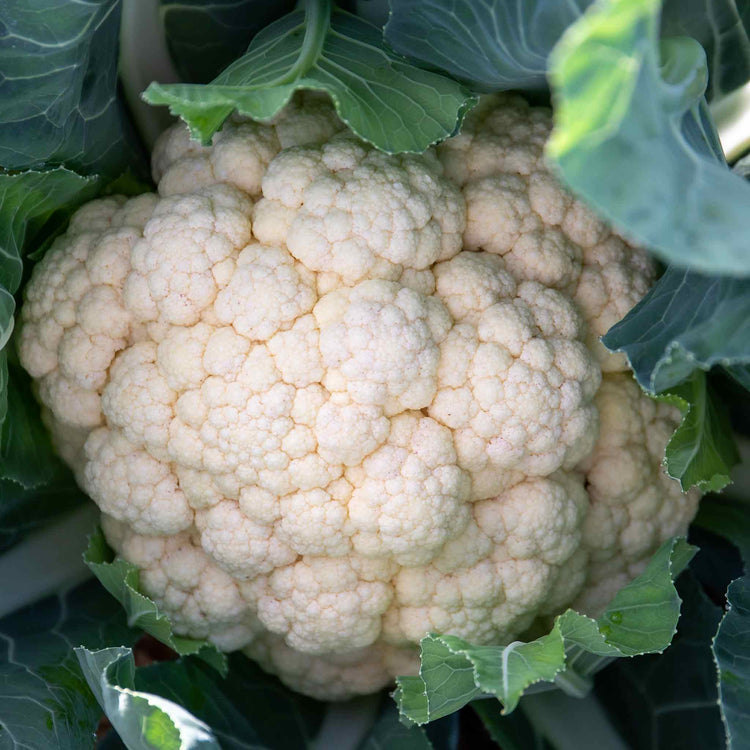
[{"x": 317, "y": 23}]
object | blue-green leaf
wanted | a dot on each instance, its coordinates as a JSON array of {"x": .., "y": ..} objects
[
  {"x": 491, "y": 45},
  {"x": 633, "y": 138},
  {"x": 122, "y": 580},
  {"x": 59, "y": 88},
  {"x": 44, "y": 699},
  {"x": 382, "y": 98},
  {"x": 686, "y": 321},
  {"x": 732, "y": 653},
  {"x": 142, "y": 720}
]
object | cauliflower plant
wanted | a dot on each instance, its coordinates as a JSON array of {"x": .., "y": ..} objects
[{"x": 329, "y": 400}]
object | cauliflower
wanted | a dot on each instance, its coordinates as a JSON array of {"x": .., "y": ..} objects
[{"x": 329, "y": 400}]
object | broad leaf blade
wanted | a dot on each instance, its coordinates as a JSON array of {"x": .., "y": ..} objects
[
  {"x": 731, "y": 649},
  {"x": 630, "y": 107},
  {"x": 492, "y": 46},
  {"x": 686, "y": 321},
  {"x": 642, "y": 618},
  {"x": 121, "y": 579},
  {"x": 382, "y": 98},
  {"x": 59, "y": 88},
  {"x": 144, "y": 721},
  {"x": 44, "y": 699}
]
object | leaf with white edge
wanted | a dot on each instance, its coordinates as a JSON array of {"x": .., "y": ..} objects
[
  {"x": 629, "y": 105},
  {"x": 674, "y": 694},
  {"x": 59, "y": 88},
  {"x": 641, "y": 618},
  {"x": 247, "y": 708},
  {"x": 384, "y": 99},
  {"x": 491, "y": 44},
  {"x": 204, "y": 36},
  {"x": 701, "y": 452},
  {"x": 44, "y": 699},
  {"x": 687, "y": 321},
  {"x": 142, "y": 720},
  {"x": 731, "y": 649},
  {"x": 122, "y": 580}
]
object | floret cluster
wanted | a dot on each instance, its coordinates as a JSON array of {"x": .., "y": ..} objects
[{"x": 329, "y": 399}]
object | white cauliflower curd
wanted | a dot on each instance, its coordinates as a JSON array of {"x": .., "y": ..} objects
[{"x": 330, "y": 400}]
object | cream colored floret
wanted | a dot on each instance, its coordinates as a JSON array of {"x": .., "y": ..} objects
[
  {"x": 354, "y": 213},
  {"x": 329, "y": 399}
]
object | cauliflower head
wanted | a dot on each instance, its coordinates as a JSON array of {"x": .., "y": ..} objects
[{"x": 329, "y": 400}]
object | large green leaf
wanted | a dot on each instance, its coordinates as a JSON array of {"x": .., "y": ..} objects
[
  {"x": 510, "y": 731},
  {"x": 701, "y": 452},
  {"x": 686, "y": 321},
  {"x": 59, "y": 87},
  {"x": 641, "y": 618},
  {"x": 204, "y": 36},
  {"x": 732, "y": 653},
  {"x": 44, "y": 699},
  {"x": 673, "y": 694},
  {"x": 380, "y": 96},
  {"x": 143, "y": 721},
  {"x": 633, "y": 138},
  {"x": 491, "y": 44},
  {"x": 122, "y": 580},
  {"x": 247, "y": 708}
]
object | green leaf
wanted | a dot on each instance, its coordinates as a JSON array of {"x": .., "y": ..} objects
[
  {"x": 731, "y": 649},
  {"x": 674, "y": 694},
  {"x": 382, "y": 98},
  {"x": 721, "y": 27},
  {"x": 142, "y": 720},
  {"x": 701, "y": 452},
  {"x": 492, "y": 45},
  {"x": 59, "y": 88},
  {"x": 122, "y": 580},
  {"x": 247, "y": 708},
  {"x": 686, "y": 321},
  {"x": 642, "y": 618},
  {"x": 204, "y": 36},
  {"x": 630, "y": 107},
  {"x": 44, "y": 699}
]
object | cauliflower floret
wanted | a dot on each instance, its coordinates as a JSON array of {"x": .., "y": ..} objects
[
  {"x": 635, "y": 506},
  {"x": 242, "y": 149},
  {"x": 202, "y": 601},
  {"x": 516, "y": 209},
  {"x": 354, "y": 213},
  {"x": 380, "y": 342},
  {"x": 515, "y": 384},
  {"x": 330, "y": 399},
  {"x": 188, "y": 253}
]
